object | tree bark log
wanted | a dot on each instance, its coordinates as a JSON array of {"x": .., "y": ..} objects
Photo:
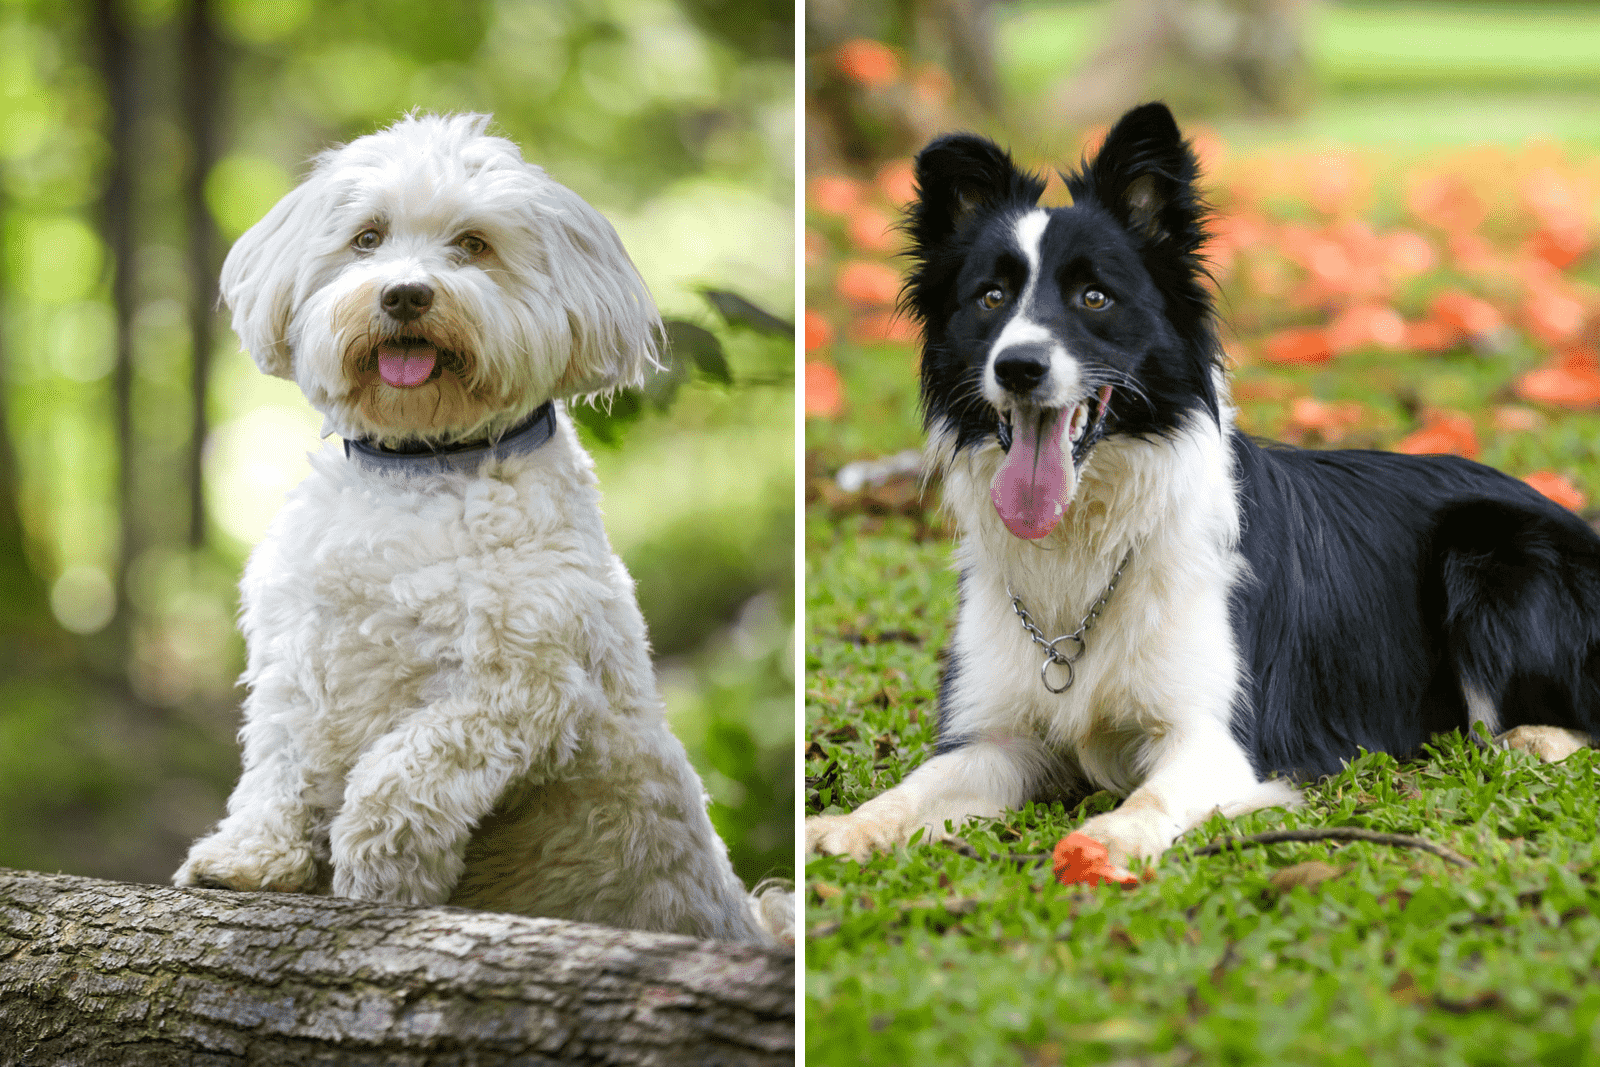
[{"x": 105, "y": 972}]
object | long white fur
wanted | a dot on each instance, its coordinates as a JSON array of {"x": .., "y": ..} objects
[
  {"x": 1148, "y": 714},
  {"x": 451, "y": 697},
  {"x": 556, "y": 310}
]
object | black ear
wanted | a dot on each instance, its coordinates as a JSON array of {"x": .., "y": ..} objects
[
  {"x": 957, "y": 176},
  {"x": 1145, "y": 175}
]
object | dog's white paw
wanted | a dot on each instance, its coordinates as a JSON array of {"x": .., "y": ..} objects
[
  {"x": 1548, "y": 743},
  {"x": 851, "y": 835},
  {"x": 385, "y": 858},
  {"x": 1142, "y": 832},
  {"x": 249, "y": 862}
]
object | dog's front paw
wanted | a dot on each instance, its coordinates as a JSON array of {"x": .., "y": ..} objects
[
  {"x": 854, "y": 835},
  {"x": 386, "y": 859},
  {"x": 1140, "y": 833},
  {"x": 1551, "y": 744},
  {"x": 248, "y": 862}
]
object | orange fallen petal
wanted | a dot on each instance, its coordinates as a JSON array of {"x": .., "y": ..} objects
[
  {"x": 1297, "y": 346},
  {"x": 868, "y": 63},
  {"x": 1447, "y": 202},
  {"x": 897, "y": 181},
  {"x": 835, "y": 194},
  {"x": 1552, "y": 316},
  {"x": 1447, "y": 432},
  {"x": 1406, "y": 253},
  {"x": 1472, "y": 253},
  {"x": 1209, "y": 147},
  {"x": 865, "y": 282},
  {"x": 1514, "y": 418},
  {"x": 1558, "y": 247},
  {"x": 824, "y": 391},
  {"x": 878, "y": 327},
  {"x": 1366, "y": 326},
  {"x": 1330, "y": 421},
  {"x": 1579, "y": 357},
  {"x": 819, "y": 331},
  {"x": 1430, "y": 335},
  {"x": 871, "y": 230},
  {"x": 1080, "y": 859},
  {"x": 1472, "y": 316},
  {"x": 1337, "y": 182},
  {"x": 1557, "y": 488},
  {"x": 1563, "y": 386}
]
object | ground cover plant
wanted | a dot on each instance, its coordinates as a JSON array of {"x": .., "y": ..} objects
[{"x": 1376, "y": 295}]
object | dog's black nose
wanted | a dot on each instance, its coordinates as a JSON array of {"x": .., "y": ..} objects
[
  {"x": 1021, "y": 367},
  {"x": 406, "y": 302}
]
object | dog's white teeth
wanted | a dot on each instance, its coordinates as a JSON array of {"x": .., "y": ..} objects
[{"x": 1080, "y": 422}]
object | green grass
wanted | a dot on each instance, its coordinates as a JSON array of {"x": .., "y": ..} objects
[{"x": 929, "y": 956}]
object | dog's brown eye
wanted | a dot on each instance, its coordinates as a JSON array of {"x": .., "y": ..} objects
[
  {"x": 473, "y": 245},
  {"x": 367, "y": 240},
  {"x": 993, "y": 298},
  {"x": 1095, "y": 300}
]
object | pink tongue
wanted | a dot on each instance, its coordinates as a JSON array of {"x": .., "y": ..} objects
[
  {"x": 1031, "y": 490},
  {"x": 406, "y": 366}
]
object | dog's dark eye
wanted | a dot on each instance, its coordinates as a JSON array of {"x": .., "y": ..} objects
[
  {"x": 473, "y": 245},
  {"x": 993, "y": 298},
  {"x": 367, "y": 240},
  {"x": 1095, "y": 300}
]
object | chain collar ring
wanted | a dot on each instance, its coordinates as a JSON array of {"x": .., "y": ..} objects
[{"x": 1053, "y": 654}]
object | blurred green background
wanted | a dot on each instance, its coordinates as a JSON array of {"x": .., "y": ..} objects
[{"x": 141, "y": 454}]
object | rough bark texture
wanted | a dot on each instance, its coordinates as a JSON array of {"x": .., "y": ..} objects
[{"x": 98, "y": 972}]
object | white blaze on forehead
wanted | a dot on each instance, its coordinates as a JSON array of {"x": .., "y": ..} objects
[
  {"x": 1019, "y": 329},
  {"x": 1028, "y": 232}
]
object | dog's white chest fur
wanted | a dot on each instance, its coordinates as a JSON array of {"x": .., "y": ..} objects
[
  {"x": 375, "y": 594},
  {"x": 1162, "y": 640},
  {"x": 451, "y": 700}
]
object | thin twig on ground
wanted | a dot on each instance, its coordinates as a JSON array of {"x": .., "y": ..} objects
[
  {"x": 1021, "y": 859},
  {"x": 1337, "y": 833}
]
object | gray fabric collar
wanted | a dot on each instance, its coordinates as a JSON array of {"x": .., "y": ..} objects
[{"x": 464, "y": 458}]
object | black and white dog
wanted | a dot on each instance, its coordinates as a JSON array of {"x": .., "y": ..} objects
[{"x": 1229, "y": 610}]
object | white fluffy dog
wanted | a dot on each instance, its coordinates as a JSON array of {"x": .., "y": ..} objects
[{"x": 451, "y": 695}]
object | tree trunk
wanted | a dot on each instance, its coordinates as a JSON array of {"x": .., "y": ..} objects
[
  {"x": 31, "y": 644},
  {"x": 116, "y": 209},
  {"x": 201, "y": 85},
  {"x": 97, "y": 972},
  {"x": 1200, "y": 56}
]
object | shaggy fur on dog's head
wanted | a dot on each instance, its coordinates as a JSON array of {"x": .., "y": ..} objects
[
  {"x": 1062, "y": 326},
  {"x": 431, "y": 250}
]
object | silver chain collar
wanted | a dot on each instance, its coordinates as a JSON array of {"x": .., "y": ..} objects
[{"x": 1053, "y": 655}]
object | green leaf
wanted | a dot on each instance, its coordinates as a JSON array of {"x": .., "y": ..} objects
[
  {"x": 737, "y": 311},
  {"x": 694, "y": 344},
  {"x": 606, "y": 421}
]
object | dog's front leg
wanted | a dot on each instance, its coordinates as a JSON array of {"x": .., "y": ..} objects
[
  {"x": 1197, "y": 770},
  {"x": 980, "y": 779},
  {"x": 413, "y": 799},
  {"x": 265, "y": 840}
]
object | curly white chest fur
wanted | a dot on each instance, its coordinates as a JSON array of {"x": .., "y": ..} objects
[{"x": 451, "y": 699}]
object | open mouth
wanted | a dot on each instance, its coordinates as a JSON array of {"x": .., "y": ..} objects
[
  {"x": 1034, "y": 486},
  {"x": 408, "y": 362}
]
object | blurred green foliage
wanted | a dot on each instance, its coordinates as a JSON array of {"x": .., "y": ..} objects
[{"x": 675, "y": 119}]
